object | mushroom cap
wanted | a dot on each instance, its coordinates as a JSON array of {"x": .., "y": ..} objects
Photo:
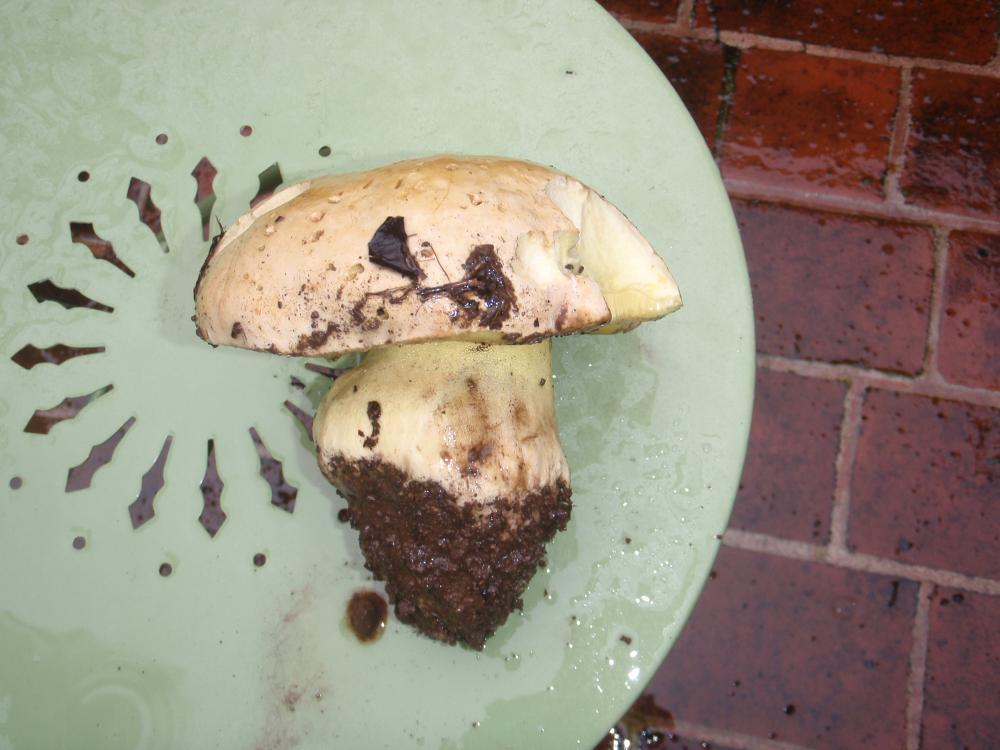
[{"x": 445, "y": 248}]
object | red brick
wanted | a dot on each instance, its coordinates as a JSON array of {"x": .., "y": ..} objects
[
  {"x": 658, "y": 11},
  {"x": 953, "y": 149},
  {"x": 830, "y": 646},
  {"x": 925, "y": 483},
  {"x": 788, "y": 481},
  {"x": 963, "y": 672},
  {"x": 838, "y": 288},
  {"x": 969, "y": 344},
  {"x": 959, "y": 30},
  {"x": 695, "y": 69},
  {"x": 814, "y": 123}
]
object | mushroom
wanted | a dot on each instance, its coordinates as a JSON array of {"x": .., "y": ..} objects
[{"x": 444, "y": 438}]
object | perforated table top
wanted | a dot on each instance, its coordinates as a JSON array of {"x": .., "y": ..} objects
[{"x": 174, "y": 574}]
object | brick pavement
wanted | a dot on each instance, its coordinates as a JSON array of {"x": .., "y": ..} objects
[{"x": 855, "y": 601}]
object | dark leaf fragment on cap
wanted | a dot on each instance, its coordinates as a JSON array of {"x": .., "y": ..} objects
[{"x": 388, "y": 248}]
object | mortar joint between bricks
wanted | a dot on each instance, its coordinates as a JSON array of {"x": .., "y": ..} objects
[
  {"x": 942, "y": 238},
  {"x": 920, "y": 386},
  {"x": 898, "y": 138},
  {"x": 850, "y": 430},
  {"x": 875, "y": 209},
  {"x": 685, "y": 15},
  {"x": 731, "y": 61},
  {"x": 664, "y": 28},
  {"x": 694, "y": 733},
  {"x": 746, "y": 40},
  {"x": 766, "y": 544},
  {"x": 917, "y": 678}
]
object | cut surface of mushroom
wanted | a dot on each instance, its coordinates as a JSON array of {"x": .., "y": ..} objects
[{"x": 634, "y": 280}]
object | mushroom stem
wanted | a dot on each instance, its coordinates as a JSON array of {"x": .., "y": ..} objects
[{"x": 449, "y": 456}]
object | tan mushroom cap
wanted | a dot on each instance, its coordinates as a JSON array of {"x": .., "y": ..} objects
[{"x": 492, "y": 243}]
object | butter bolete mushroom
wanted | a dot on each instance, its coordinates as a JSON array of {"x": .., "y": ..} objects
[{"x": 444, "y": 438}]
